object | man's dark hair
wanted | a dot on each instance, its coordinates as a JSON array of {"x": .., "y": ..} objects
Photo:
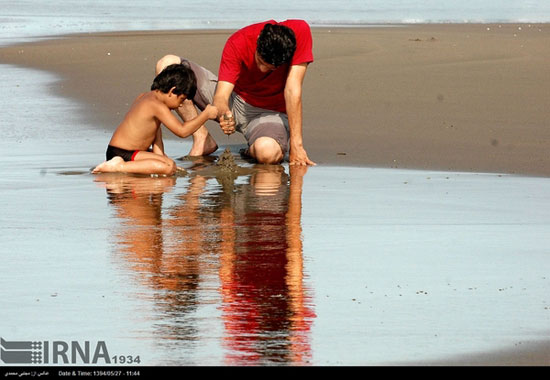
[
  {"x": 276, "y": 44},
  {"x": 179, "y": 76}
]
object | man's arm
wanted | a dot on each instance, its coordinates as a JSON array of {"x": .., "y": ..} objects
[
  {"x": 293, "y": 100},
  {"x": 221, "y": 102}
]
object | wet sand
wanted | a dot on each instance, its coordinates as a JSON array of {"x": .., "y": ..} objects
[
  {"x": 399, "y": 267},
  {"x": 444, "y": 266},
  {"x": 445, "y": 97}
]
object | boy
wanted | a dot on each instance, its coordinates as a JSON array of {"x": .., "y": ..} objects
[{"x": 129, "y": 149}]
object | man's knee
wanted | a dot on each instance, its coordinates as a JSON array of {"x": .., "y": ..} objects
[
  {"x": 166, "y": 61},
  {"x": 266, "y": 150}
]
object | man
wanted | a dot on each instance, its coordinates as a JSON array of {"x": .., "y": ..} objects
[{"x": 258, "y": 91}]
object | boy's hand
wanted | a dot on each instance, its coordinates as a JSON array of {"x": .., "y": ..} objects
[
  {"x": 227, "y": 123},
  {"x": 211, "y": 111}
]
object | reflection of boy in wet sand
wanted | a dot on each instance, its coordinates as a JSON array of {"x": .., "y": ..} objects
[{"x": 130, "y": 147}]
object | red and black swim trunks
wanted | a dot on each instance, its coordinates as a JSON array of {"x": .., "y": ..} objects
[{"x": 127, "y": 155}]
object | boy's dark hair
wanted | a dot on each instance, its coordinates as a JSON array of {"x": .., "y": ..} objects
[
  {"x": 179, "y": 76},
  {"x": 276, "y": 44}
]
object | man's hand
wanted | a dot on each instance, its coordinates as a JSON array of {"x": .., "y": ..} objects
[
  {"x": 298, "y": 156},
  {"x": 227, "y": 123},
  {"x": 221, "y": 101}
]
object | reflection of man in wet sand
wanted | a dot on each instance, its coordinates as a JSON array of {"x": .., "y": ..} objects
[
  {"x": 258, "y": 91},
  {"x": 128, "y": 150},
  {"x": 266, "y": 311}
]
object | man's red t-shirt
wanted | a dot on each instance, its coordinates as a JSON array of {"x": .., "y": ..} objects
[{"x": 238, "y": 65}]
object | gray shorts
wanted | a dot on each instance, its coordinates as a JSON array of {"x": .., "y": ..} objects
[{"x": 252, "y": 122}]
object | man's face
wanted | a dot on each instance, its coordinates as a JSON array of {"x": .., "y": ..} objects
[{"x": 263, "y": 65}]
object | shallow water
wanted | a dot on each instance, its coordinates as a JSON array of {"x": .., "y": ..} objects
[
  {"x": 23, "y": 20},
  {"x": 323, "y": 266}
]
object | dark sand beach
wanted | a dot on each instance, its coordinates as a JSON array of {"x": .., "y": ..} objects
[
  {"x": 464, "y": 99},
  {"x": 469, "y": 97}
]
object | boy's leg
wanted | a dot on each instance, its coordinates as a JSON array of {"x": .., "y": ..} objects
[
  {"x": 203, "y": 143},
  {"x": 152, "y": 163},
  {"x": 143, "y": 163}
]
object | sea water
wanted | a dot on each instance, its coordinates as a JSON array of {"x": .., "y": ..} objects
[{"x": 27, "y": 19}]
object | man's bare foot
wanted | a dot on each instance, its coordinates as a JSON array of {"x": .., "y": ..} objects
[
  {"x": 203, "y": 145},
  {"x": 111, "y": 166}
]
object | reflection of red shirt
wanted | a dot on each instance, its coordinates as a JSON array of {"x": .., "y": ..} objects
[{"x": 238, "y": 66}]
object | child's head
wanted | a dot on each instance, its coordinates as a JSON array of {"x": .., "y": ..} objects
[{"x": 177, "y": 76}]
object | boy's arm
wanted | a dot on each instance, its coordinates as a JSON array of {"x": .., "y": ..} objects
[
  {"x": 158, "y": 144},
  {"x": 186, "y": 129}
]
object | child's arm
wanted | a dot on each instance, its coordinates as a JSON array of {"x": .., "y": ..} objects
[
  {"x": 158, "y": 144},
  {"x": 189, "y": 127}
]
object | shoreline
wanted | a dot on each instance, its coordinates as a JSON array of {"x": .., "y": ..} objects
[{"x": 450, "y": 97}]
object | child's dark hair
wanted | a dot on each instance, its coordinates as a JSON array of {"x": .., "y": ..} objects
[
  {"x": 179, "y": 76},
  {"x": 276, "y": 44}
]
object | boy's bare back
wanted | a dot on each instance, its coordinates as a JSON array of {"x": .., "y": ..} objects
[
  {"x": 151, "y": 109},
  {"x": 138, "y": 129}
]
